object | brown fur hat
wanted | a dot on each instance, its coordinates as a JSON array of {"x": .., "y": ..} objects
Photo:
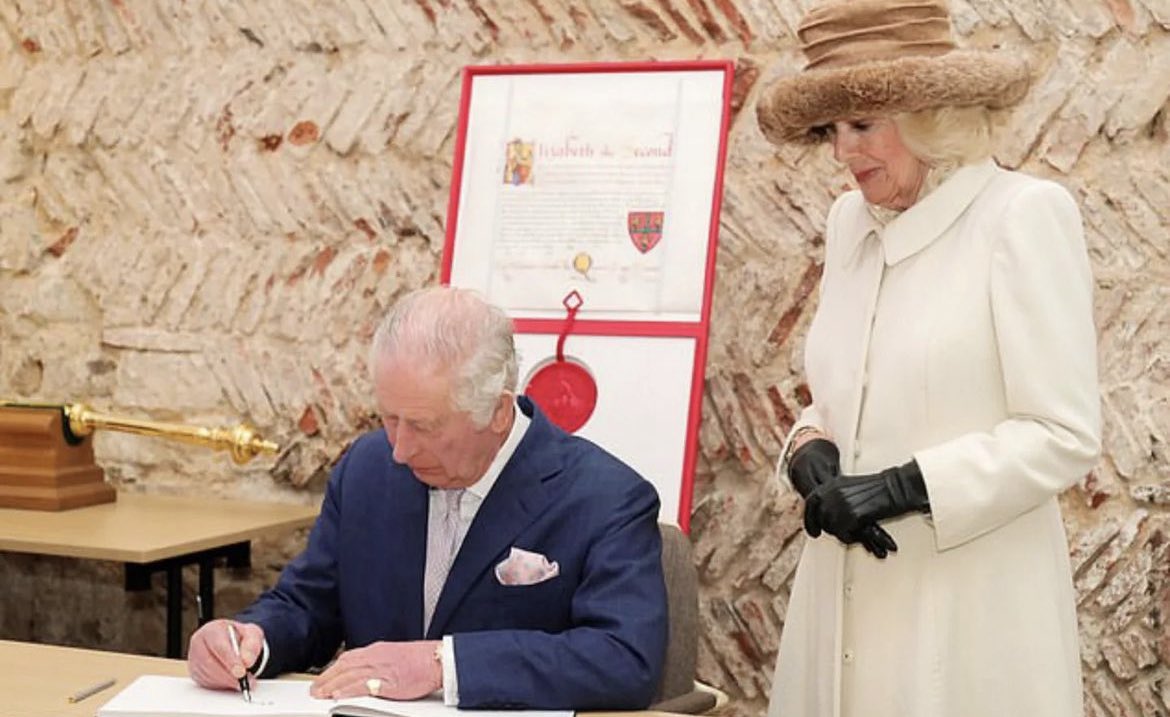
[{"x": 871, "y": 58}]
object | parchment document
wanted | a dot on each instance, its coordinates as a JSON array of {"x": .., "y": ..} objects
[{"x": 602, "y": 183}]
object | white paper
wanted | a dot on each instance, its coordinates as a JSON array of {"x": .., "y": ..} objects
[
  {"x": 181, "y": 697},
  {"x": 600, "y": 182},
  {"x": 154, "y": 694},
  {"x": 643, "y": 401}
]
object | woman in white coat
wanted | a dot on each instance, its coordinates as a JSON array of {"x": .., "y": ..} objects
[{"x": 952, "y": 364}]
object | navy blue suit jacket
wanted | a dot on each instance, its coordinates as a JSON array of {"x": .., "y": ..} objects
[{"x": 592, "y": 638}]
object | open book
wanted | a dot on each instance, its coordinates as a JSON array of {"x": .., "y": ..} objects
[{"x": 180, "y": 697}]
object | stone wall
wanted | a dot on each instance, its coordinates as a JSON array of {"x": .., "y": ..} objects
[{"x": 206, "y": 206}]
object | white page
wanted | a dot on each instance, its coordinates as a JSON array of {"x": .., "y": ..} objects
[
  {"x": 158, "y": 695},
  {"x": 643, "y": 401},
  {"x": 181, "y": 697},
  {"x": 603, "y": 147}
]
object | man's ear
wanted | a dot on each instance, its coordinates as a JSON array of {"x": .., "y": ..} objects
[{"x": 502, "y": 414}]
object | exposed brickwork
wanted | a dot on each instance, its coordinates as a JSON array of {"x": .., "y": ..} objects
[{"x": 206, "y": 207}]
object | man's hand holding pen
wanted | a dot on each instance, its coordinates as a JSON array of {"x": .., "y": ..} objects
[
  {"x": 215, "y": 662},
  {"x": 245, "y": 687}
]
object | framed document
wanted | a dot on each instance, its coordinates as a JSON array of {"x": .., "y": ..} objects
[{"x": 585, "y": 202}]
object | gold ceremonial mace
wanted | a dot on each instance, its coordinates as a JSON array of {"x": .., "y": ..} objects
[
  {"x": 46, "y": 462},
  {"x": 241, "y": 440}
]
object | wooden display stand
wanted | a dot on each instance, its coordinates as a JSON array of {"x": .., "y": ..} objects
[{"x": 40, "y": 469}]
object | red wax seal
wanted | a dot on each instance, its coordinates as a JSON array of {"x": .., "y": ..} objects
[{"x": 565, "y": 391}]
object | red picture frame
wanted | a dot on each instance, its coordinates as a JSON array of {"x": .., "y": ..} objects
[{"x": 696, "y": 329}]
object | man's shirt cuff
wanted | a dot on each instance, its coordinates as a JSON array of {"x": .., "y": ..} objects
[{"x": 450, "y": 677}]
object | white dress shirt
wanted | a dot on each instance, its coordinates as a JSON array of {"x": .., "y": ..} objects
[{"x": 473, "y": 498}]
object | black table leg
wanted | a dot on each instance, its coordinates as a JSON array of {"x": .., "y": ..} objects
[
  {"x": 174, "y": 610},
  {"x": 206, "y": 590},
  {"x": 138, "y": 577}
]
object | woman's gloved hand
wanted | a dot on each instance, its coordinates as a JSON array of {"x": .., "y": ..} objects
[
  {"x": 848, "y": 504},
  {"x": 815, "y": 462},
  {"x": 818, "y": 462}
]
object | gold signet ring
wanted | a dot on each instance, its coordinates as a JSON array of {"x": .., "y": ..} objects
[{"x": 374, "y": 685}]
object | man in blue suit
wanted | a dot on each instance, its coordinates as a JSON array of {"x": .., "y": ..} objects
[{"x": 470, "y": 546}]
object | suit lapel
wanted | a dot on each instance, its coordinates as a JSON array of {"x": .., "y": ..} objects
[
  {"x": 406, "y": 551},
  {"x": 518, "y": 497}
]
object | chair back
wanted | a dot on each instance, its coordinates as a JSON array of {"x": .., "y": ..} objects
[{"x": 682, "y": 597}]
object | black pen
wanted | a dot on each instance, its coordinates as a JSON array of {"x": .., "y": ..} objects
[{"x": 236, "y": 646}]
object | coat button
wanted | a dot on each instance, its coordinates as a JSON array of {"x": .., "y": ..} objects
[
  {"x": 849, "y": 591},
  {"x": 847, "y": 657}
]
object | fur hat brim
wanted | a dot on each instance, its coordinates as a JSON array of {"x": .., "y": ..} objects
[{"x": 795, "y": 105}]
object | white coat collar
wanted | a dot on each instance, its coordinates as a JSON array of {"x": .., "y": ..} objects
[{"x": 914, "y": 229}]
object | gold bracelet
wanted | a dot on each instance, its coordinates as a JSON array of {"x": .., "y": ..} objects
[{"x": 795, "y": 438}]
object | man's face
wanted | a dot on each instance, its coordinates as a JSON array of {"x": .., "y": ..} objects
[{"x": 440, "y": 444}]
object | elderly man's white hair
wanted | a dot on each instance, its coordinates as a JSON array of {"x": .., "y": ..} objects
[{"x": 444, "y": 327}]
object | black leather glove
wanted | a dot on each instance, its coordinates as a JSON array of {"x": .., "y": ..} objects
[
  {"x": 845, "y": 506},
  {"x": 818, "y": 462}
]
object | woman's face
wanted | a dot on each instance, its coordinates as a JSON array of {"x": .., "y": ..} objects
[{"x": 885, "y": 170}]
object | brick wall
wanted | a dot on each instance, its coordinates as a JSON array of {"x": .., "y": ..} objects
[{"x": 206, "y": 205}]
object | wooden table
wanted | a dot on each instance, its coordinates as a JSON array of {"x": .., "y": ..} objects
[
  {"x": 154, "y": 533},
  {"x": 36, "y": 680}
]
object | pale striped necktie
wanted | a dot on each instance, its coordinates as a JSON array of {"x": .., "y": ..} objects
[{"x": 442, "y": 544}]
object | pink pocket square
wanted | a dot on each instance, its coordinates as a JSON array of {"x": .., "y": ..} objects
[{"x": 523, "y": 567}]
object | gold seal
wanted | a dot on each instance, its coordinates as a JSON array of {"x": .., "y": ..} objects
[{"x": 581, "y": 264}]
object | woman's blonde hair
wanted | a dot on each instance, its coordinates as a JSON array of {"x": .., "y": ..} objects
[{"x": 947, "y": 135}]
